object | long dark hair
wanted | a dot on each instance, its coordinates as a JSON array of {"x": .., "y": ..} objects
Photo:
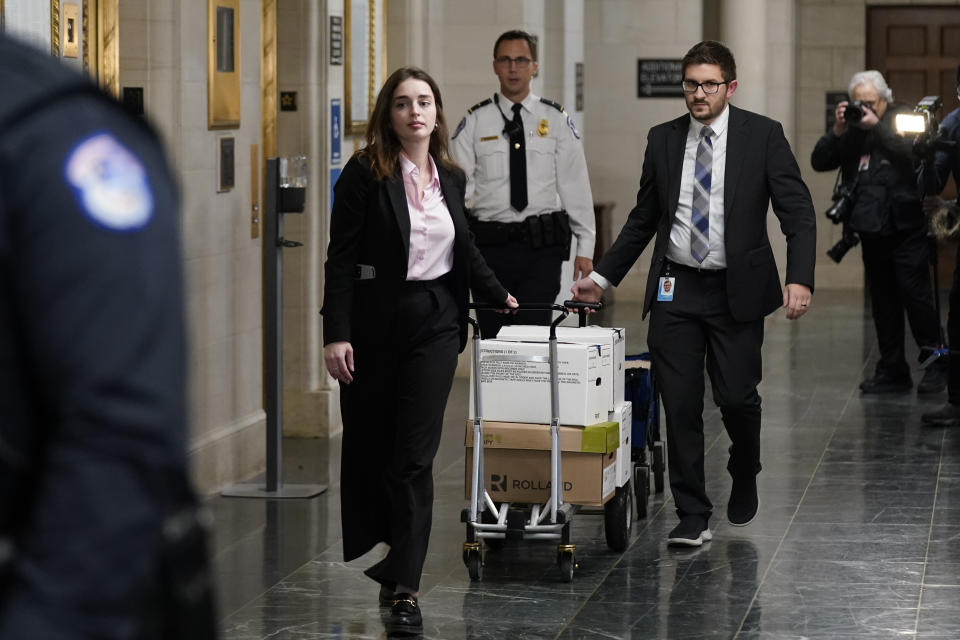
[{"x": 383, "y": 145}]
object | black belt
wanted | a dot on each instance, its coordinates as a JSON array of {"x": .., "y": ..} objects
[
  {"x": 674, "y": 267},
  {"x": 436, "y": 283},
  {"x": 545, "y": 230}
]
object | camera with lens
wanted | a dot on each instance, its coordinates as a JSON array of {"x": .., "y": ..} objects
[
  {"x": 854, "y": 111},
  {"x": 847, "y": 241},
  {"x": 842, "y": 203}
]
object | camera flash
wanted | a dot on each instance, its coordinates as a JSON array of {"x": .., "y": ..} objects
[{"x": 910, "y": 123}]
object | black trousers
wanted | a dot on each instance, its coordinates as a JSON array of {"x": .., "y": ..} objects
[
  {"x": 693, "y": 330},
  {"x": 953, "y": 337},
  {"x": 392, "y": 422},
  {"x": 530, "y": 275},
  {"x": 898, "y": 272}
]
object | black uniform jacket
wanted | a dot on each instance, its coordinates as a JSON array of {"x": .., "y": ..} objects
[
  {"x": 92, "y": 355},
  {"x": 370, "y": 225},
  {"x": 759, "y": 168}
]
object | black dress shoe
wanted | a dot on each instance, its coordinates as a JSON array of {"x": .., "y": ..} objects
[
  {"x": 884, "y": 382},
  {"x": 405, "y": 617},
  {"x": 744, "y": 503},
  {"x": 691, "y": 532}
]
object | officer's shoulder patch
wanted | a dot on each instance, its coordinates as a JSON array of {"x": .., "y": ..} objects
[
  {"x": 482, "y": 103},
  {"x": 573, "y": 127},
  {"x": 463, "y": 123},
  {"x": 110, "y": 183},
  {"x": 555, "y": 105}
]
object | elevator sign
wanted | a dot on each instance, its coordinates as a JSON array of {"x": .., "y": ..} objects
[{"x": 659, "y": 78}]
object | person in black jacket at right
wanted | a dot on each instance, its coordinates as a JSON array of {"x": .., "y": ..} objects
[
  {"x": 947, "y": 162},
  {"x": 887, "y": 215}
]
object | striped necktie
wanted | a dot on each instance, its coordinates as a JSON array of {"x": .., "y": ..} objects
[{"x": 700, "y": 217}]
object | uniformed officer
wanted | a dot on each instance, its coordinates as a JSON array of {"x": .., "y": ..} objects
[
  {"x": 92, "y": 361},
  {"x": 527, "y": 183}
]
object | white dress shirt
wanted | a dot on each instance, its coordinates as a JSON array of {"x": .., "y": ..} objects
[
  {"x": 679, "y": 248},
  {"x": 556, "y": 165}
]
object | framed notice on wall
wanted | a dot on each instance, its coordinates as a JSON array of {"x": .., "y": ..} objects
[
  {"x": 223, "y": 64},
  {"x": 366, "y": 60}
]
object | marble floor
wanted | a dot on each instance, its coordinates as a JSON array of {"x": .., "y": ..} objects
[{"x": 856, "y": 538}]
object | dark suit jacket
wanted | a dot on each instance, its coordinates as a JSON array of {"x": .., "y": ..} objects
[
  {"x": 370, "y": 225},
  {"x": 759, "y": 168}
]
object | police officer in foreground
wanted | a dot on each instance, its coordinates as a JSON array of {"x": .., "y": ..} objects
[
  {"x": 92, "y": 363},
  {"x": 887, "y": 215},
  {"x": 527, "y": 184}
]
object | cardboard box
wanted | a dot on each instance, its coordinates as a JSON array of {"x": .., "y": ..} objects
[
  {"x": 517, "y": 462},
  {"x": 515, "y": 383},
  {"x": 623, "y": 416},
  {"x": 615, "y": 338}
]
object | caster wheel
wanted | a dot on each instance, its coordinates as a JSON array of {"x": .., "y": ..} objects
[
  {"x": 641, "y": 489},
  {"x": 566, "y": 562},
  {"x": 658, "y": 466},
  {"x": 474, "y": 562},
  {"x": 618, "y": 518}
]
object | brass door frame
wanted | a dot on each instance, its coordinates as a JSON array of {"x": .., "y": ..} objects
[{"x": 101, "y": 36}]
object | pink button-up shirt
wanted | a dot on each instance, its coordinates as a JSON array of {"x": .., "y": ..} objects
[{"x": 431, "y": 228}]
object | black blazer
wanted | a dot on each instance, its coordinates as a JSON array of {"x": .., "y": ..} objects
[
  {"x": 759, "y": 168},
  {"x": 370, "y": 225}
]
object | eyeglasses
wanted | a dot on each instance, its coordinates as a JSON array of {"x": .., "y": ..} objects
[
  {"x": 709, "y": 87},
  {"x": 521, "y": 62}
]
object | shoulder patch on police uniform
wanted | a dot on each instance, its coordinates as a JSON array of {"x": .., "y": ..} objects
[
  {"x": 573, "y": 127},
  {"x": 463, "y": 123},
  {"x": 482, "y": 103},
  {"x": 555, "y": 105},
  {"x": 110, "y": 183}
]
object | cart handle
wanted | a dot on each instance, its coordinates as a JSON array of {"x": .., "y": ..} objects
[{"x": 582, "y": 308}]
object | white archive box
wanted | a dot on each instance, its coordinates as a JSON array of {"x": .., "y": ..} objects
[
  {"x": 515, "y": 383},
  {"x": 615, "y": 338},
  {"x": 623, "y": 416}
]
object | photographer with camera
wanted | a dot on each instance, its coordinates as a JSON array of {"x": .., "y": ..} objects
[
  {"x": 884, "y": 210},
  {"x": 945, "y": 214}
]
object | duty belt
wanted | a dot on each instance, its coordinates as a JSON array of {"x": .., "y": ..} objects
[{"x": 545, "y": 230}]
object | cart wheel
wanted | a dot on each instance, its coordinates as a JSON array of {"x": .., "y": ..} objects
[
  {"x": 474, "y": 561},
  {"x": 566, "y": 561},
  {"x": 494, "y": 544},
  {"x": 658, "y": 466},
  {"x": 641, "y": 489},
  {"x": 618, "y": 518}
]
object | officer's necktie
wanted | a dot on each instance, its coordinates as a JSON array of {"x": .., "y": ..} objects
[
  {"x": 700, "y": 218},
  {"x": 518, "y": 162}
]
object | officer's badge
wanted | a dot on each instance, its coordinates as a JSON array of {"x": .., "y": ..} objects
[
  {"x": 110, "y": 183},
  {"x": 543, "y": 128},
  {"x": 573, "y": 127},
  {"x": 463, "y": 123}
]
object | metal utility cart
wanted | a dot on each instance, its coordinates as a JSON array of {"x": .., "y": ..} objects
[{"x": 495, "y": 523}]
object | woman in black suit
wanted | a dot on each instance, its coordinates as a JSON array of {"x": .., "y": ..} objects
[{"x": 399, "y": 268}]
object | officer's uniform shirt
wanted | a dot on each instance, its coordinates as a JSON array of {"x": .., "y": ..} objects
[
  {"x": 92, "y": 354},
  {"x": 556, "y": 166}
]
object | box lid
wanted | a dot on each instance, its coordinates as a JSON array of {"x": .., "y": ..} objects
[{"x": 603, "y": 437}]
